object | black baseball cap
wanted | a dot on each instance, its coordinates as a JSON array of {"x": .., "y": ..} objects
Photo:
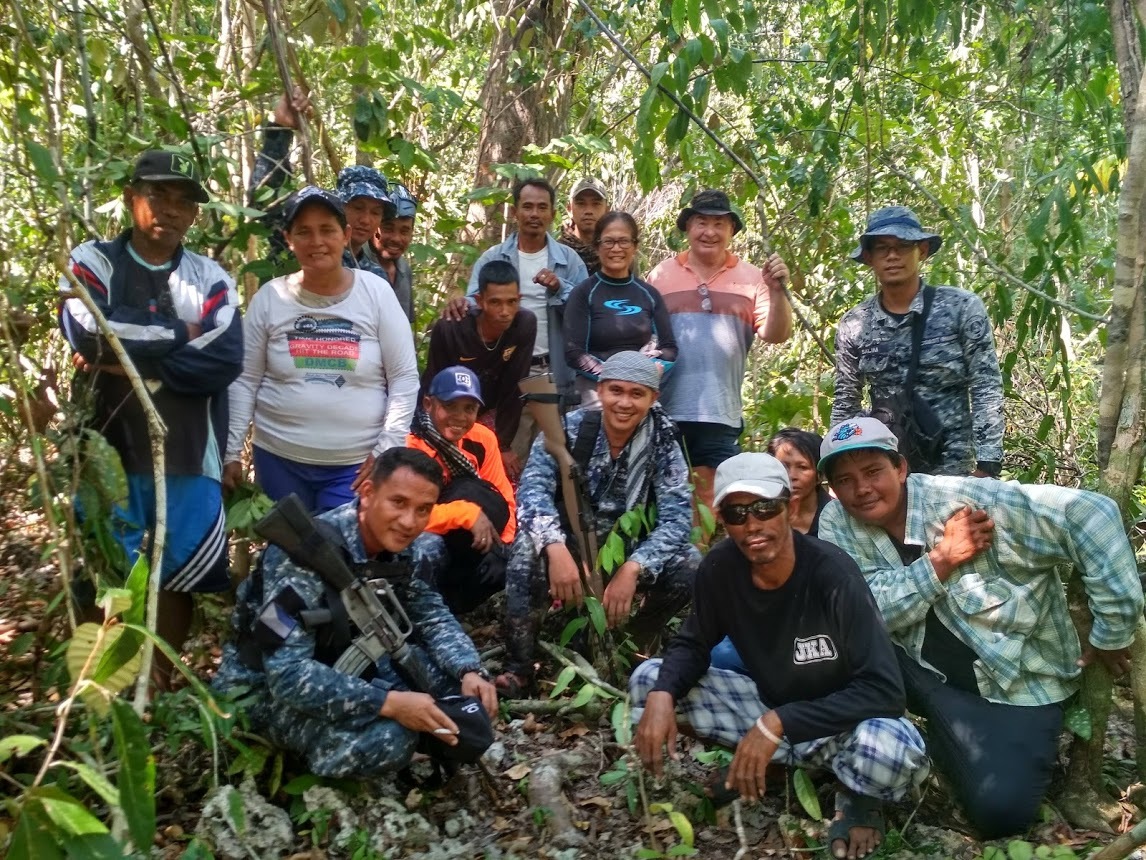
[
  {"x": 313, "y": 194},
  {"x": 475, "y": 731},
  {"x": 163, "y": 165}
]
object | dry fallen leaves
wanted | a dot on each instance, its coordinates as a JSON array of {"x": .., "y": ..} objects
[
  {"x": 518, "y": 771},
  {"x": 531, "y": 726},
  {"x": 577, "y": 731},
  {"x": 601, "y": 802}
]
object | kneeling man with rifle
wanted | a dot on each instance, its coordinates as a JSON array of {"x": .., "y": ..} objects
[
  {"x": 625, "y": 456},
  {"x": 342, "y": 655}
]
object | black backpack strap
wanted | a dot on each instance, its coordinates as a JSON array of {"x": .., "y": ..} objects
[
  {"x": 917, "y": 326},
  {"x": 475, "y": 448},
  {"x": 586, "y": 440}
]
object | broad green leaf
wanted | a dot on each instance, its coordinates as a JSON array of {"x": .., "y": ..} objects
[
  {"x": 563, "y": 680},
  {"x": 572, "y": 629},
  {"x": 707, "y": 520},
  {"x": 678, "y": 15},
  {"x": 42, "y": 162},
  {"x": 88, "y": 645},
  {"x": 32, "y": 836},
  {"x": 619, "y": 772},
  {"x": 19, "y": 745},
  {"x": 806, "y": 794},
  {"x": 584, "y": 695},
  {"x": 137, "y": 585},
  {"x": 596, "y": 615},
  {"x": 95, "y": 780},
  {"x": 692, "y": 12},
  {"x": 682, "y": 850},
  {"x": 1077, "y": 720},
  {"x": 136, "y": 773},
  {"x": 1019, "y": 850},
  {"x": 66, "y": 813},
  {"x": 648, "y": 854},
  {"x": 115, "y": 600}
]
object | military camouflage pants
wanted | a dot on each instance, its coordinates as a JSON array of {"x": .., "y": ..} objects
[
  {"x": 527, "y": 598},
  {"x": 363, "y": 746}
]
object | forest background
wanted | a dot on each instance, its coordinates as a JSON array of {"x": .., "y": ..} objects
[{"x": 1008, "y": 126}]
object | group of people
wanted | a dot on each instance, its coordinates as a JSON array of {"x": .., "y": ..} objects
[{"x": 926, "y": 585}]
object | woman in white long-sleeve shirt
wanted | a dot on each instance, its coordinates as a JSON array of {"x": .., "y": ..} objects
[{"x": 329, "y": 377}]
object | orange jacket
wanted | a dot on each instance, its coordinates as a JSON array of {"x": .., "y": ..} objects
[{"x": 462, "y": 515}]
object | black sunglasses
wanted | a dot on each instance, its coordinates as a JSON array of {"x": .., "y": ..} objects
[{"x": 761, "y": 509}]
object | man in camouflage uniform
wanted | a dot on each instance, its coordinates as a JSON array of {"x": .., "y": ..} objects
[
  {"x": 636, "y": 460},
  {"x": 958, "y": 372},
  {"x": 346, "y": 725}
]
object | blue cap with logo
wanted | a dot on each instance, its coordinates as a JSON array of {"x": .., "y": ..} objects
[
  {"x": 899, "y": 222},
  {"x": 454, "y": 382},
  {"x": 362, "y": 181},
  {"x": 856, "y": 433}
]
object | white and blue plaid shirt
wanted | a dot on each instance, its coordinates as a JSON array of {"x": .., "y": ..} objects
[{"x": 1008, "y": 603}]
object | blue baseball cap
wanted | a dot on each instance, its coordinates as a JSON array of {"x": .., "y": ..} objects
[
  {"x": 404, "y": 203},
  {"x": 454, "y": 382},
  {"x": 362, "y": 181},
  {"x": 900, "y": 222}
]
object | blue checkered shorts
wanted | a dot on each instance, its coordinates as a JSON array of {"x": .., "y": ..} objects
[{"x": 880, "y": 757}]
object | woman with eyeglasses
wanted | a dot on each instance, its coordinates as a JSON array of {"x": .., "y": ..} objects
[
  {"x": 614, "y": 310},
  {"x": 799, "y": 452}
]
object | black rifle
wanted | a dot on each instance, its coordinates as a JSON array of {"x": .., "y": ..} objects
[{"x": 370, "y": 604}]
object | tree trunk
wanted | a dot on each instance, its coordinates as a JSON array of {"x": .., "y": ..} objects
[
  {"x": 527, "y": 92},
  {"x": 1121, "y": 412}
]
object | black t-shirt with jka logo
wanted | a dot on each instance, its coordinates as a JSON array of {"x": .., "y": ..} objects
[{"x": 816, "y": 646}]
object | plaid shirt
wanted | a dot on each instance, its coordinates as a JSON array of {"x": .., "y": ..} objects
[{"x": 1008, "y": 603}]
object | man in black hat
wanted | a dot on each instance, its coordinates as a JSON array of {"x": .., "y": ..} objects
[
  {"x": 176, "y": 314},
  {"x": 723, "y": 302},
  {"x": 954, "y": 397}
]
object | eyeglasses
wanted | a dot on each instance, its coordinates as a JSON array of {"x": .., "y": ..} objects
[
  {"x": 705, "y": 301},
  {"x": 761, "y": 509},
  {"x": 900, "y": 249},
  {"x": 622, "y": 243}
]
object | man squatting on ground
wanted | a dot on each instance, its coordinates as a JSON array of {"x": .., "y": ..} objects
[
  {"x": 635, "y": 459},
  {"x": 342, "y": 725},
  {"x": 822, "y": 688},
  {"x": 465, "y": 544},
  {"x": 177, "y": 315},
  {"x": 965, "y": 573}
]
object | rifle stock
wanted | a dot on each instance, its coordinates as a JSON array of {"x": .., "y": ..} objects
[{"x": 543, "y": 402}]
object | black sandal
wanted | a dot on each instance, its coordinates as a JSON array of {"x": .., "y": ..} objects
[
  {"x": 855, "y": 810},
  {"x": 717, "y": 792}
]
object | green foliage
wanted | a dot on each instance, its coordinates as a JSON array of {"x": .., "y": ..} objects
[
  {"x": 1018, "y": 849},
  {"x": 806, "y": 794}
]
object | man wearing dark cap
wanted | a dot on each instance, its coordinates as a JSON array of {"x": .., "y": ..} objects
[
  {"x": 363, "y": 190},
  {"x": 393, "y": 240},
  {"x": 966, "y": 574},
  {"x": 467, "y": 539},
  {"x": 176, "y": 314},
  {"x": 950, "y": 407},
  {"x": 632, "y": 459},
  {"x": 821, "y": 686},
  {"x": 719, "y": 304},
  {"x": 588, "y": 201}
]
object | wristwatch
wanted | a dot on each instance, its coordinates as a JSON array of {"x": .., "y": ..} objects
[{"x": 481, "y": 673}]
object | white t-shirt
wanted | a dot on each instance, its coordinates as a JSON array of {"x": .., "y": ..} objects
[
  {"x": 535, "y": 297},
  {"x": 324, "y": 385}
]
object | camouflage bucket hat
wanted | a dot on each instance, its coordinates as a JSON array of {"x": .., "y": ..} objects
[{"x": 900, "y": 222}]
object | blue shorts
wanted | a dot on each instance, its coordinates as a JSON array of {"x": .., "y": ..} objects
[
  {"x": 195, "y": 548},
  {"x": 321, "y": 488},
  {"x": 707, "y": 444}
]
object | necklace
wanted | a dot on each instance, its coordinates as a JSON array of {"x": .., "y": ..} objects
[{"x": 496, "y": 343}]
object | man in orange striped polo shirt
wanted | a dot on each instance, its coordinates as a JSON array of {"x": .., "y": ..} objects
[{"x": 719, "y": 304}]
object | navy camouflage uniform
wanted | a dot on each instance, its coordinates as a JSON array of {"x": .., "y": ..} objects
[
  {"x": 668, "y": 560},
  {"x": 958, "y": 371},
  {"x": 330, "y": 718}
]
